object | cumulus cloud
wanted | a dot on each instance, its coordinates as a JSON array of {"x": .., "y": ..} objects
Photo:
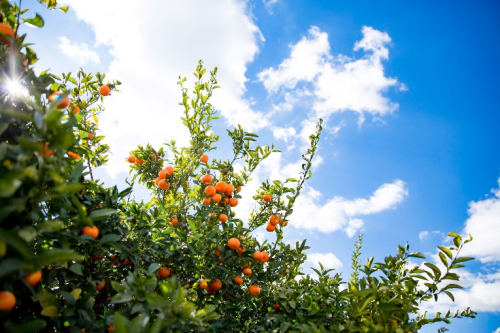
[
  {"x": 481, "y": 289},
  {"x": 269, "y": 5},
  {"x": 339, "y": 213},
  {"x": 336, "y": 82},
  {"x": 164, "y": 41},
  {"x": 328, "y": 260},
  {"x": 79, "y": 53}
]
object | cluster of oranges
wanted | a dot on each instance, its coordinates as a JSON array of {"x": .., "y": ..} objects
[
  {"x": 215, "y": 193},
  {"x": 161, "y": 180},
  {"x": 132, "y": 159},
  {"x": 274, "y": 220},
  {"x": 8, "y": 299}
]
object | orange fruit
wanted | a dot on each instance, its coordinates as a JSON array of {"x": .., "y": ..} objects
[
  {"x": 33, "y": 279},
  {"x": 74, "y": 155},
  {"x": 204, "y": 158},
  {"x": 62, "y": 102},
  {"x": 222, "y": 259},
  {"x": 46, "y": 151},
  {"x": 267, "y": 198},
  {"x": 239, "y": 189},
  {"x": 230, "y": 189},
  {"x": 209, "y": 290},
  {"x": 223, "y": 217},
  {"x": 217, "y": 252},
  {"x": 284, "y": 272},
  {"x": 233, "y": 243},
  {"x": 104, "y": 90},
  {"x": 7, "y": 301},
  {"x": 257, "y": 255},
  {"x": 162, "y": 173},
  {"x": 164, "y": 272},
  {"x": 127, "y": 262},
  {"x": 221, "y": 187},
  {"x": 254, "y": 290},
  {"x": 283, "y": 223},
  {"x": 216, "y": 198},
  {"x": 174, "y": 222},
  {"x": 216, "y": 285},
  {"x": 131, "y": 159},
  {"x": 241, "y": 251},
  {"x": 274, "y": 219},
  {"x": 170, "y": 170},
  {"x": 139, "y": 161},
  {"x": 225, "y": 201},
  {"x": 238, "y": 280},
  {"x": 270, "y": 227},
  {"x": 6, "y": 30},
  {"x": 203, "y": 285},
  {"x": 91, "y": 231},
  {"x": 76, "y": 110},
  {"x": 265, "y": 257},
  {"x": 210, "y": 190},
  {"x": 206, "y": 201},
  {"x": 276, "y": 306},
  {"x": 111, "y": 328},
  {"x": 233, "y": 202},
  {"x": 162, "y": 184},
  {"x": 100, "y": 286},
  {"x": 90, "y": 135},
  {"x": 207, "y": 179},
  {"x": 157, "y": 180},
  {"x": 247, "y": 271}
]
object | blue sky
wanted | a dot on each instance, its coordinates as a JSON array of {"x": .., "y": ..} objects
[{"x": 422, "y": 163}]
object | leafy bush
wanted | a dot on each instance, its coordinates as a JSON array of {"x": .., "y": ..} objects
[{"x": 77, "y": 256}]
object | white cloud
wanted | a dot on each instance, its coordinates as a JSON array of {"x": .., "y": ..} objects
[
  {"x": 482, "y": 288},
  {"x": 339, "y": 83},
  {"x": 484, "y": 225},
  {"x": 165, "y": 40},
  {"x": 79, "y": 53},
  {"x": 269, "y": 5},
  {"x": 341, "y": 213},
  {"x": 497, "y": 330},
  {"x": 328, "y": 260},
  {"x": 423, "y": 235}
]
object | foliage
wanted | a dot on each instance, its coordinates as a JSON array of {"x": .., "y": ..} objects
[{"x": 113, "y": 281}]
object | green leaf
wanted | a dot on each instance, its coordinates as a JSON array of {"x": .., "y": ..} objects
[
  {"x": 463, "y": 259},
  {"x": 109, "y": 238},
  {"x": 452, "y": 286},
  {"x": 36, "y": 21},
  {"x": 153, "y": 268},
  {"x": 100, "y": 214},
  {"x": 450, "y": 295},
  {"x": 26, "y": 325},
  {"x": 117, "y": 286},
  {"x": 56, "y": 256},
  {"x": 416, "y": 255},
  {"x": 446, "y": 251},
  {"x": 122, "y": 297},
  {"x": 10, "y": 265},
  {"x": 16, "y": 242},
  {"x": 443, "y": 258},
  {"x": 76, "y": 268}
]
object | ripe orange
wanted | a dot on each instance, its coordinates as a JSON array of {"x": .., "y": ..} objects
[
  {"x": 240, "y": 251},
  {"x": 257, "y": 255},
  {"x": 104, "y": 90},
  {"x": 164, "y": 272},
  {"x": 207, "y": 179},
  {"x": 217, "y": 252},
  {"x": 203, "y": 285},
  {"x": 254, "y": 290},
  {"x": 267, "y": 198},
  {"x": 216, "y": 197},
  {"x": 233, "y": 243},
  {"x": 265, "y": 257},
  {"x": 90, "y": 135},
  {"x": 230, "y": 189},
  {"x": 283, "y": 223},
  {"x": 6, "y": 30},
  {"x": 210, "y": 190},
  {"x": 127, "y": 262},
  {"x": 33, "y": 279},
  {"x": 157, "y": 180},
  {"x": 162, "y": 173},
  {"x": 222, "y": 259},
  {"x": 247, "y": 271},
  {"x": 216, "y": 285},
  {"x": 62, "y": 102},
  {"x": 270, "y": 227},
  {"x": 233, "y": 202},
  {"x": 74, "y": 155},
  {"x": 174, "y": 222},
  {"x": 276, "y": 306},
  {"x": 221, "y": 187},
  {"x": 238, "y": 280},
  {"x": 274, "y": 219},
  {"x": 91, "y": 231},
  {"x": 7, "y": 301},
  {"x": 204, "y": 158},
  {"x": 223, "y": 217},
  {"x": 170, "y": 170},
  {"x": 284, "y": 272},
  {"x": 111, "y": 328},
  {"x": 139, "y": 161},
  {"x": 100, "y": 286},
  {"x": 162, "y": 184},
  {"x": 239, "y": 189},
  {"x": 46, "y": 151},
  {"x": 224, "y": 201},
  {"x": 206, "y": 201},
  {"x": 76, "y": 110}
]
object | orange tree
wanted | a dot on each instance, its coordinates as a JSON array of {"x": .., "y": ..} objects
[{"x": 77, "y": 256}]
